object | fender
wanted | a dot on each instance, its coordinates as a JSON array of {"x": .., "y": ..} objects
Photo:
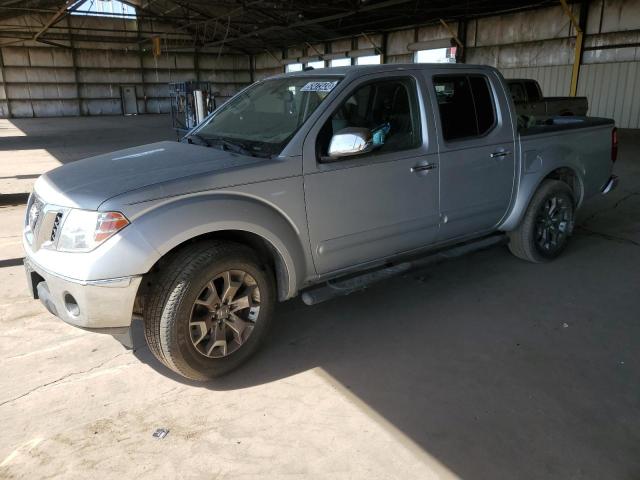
[
  {"x": 174, "y": 221},
  {"x": 536, "y": 167}
]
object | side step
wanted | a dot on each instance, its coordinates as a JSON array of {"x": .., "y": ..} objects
[{"x": 342, "y": 287}]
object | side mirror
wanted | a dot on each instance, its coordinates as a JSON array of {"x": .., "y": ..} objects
[{"x": 350, "y": 141}]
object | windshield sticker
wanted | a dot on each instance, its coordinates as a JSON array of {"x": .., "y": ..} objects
[{"x": 319, "y": 86}]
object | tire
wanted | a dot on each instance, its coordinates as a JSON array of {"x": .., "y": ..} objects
[
  {"x": 182, "y": 312},
  {"x": 527, "y": 241}
]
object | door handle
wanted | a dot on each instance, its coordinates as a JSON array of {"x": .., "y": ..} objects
[
  {"x": 425, "y": 167},
  {"x": 500, "y": 154}
]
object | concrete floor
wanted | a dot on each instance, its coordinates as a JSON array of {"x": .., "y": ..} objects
[
  {"x": 483, "y": 367},
  {"x": 31, "y": 146}
]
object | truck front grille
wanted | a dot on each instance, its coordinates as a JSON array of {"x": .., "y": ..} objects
[
  {"x": 56, "y": 224},
  {"x": 42, "y": 223}
]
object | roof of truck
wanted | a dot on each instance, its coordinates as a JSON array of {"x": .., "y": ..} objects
[{"x": 357, "y": 70}]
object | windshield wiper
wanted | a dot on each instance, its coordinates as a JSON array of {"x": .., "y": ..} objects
[
  {"x": 228, "y": 145},
  {"x": 235, "y": 147},
  {"x": 200, "y": 138}
]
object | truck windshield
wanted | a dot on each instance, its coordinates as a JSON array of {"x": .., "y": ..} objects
[{"x": 261, "y": 120}]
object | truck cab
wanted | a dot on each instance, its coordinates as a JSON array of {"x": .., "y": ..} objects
[{"x": 391, "y": 198}]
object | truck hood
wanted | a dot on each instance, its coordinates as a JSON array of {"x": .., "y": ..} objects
[{"x": 90, "y": 182}]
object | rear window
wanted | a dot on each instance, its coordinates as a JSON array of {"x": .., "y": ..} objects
[{"x": 465, "y": 104}]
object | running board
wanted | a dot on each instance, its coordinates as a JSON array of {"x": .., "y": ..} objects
[{"x": 342, "y": 287}]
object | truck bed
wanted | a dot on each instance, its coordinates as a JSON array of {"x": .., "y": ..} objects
[
  {"x": 557, "y": 124},
  {"x": 581, "y": 144}
]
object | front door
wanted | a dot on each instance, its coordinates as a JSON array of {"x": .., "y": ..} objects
[
  {"x": 366, "y": 207},
  {"x": 477, "y": 153}
]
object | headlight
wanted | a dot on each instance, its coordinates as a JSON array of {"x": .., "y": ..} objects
[{"x": 84, "y": 230}]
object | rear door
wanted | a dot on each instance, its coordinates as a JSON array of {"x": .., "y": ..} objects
[
  {"x": 366, "y": 207},
  {"x": 477, "y": 161}
]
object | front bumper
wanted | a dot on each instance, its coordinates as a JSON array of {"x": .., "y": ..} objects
[{"x": 104, "y": 306}]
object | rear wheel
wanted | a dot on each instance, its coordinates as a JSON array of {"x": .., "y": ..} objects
[
  {"x": 548, "y": 222},
  {"x": 209, "y": 309}
]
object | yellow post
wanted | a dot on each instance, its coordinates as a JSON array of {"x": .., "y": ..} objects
[
  {"x": 156, "y": 46},
  {"x": 575, "y": 72}
]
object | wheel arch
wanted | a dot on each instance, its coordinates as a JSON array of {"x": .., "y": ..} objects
[
  {"x": 566, "y": 174},
  {"x": 240, "y": 219}
]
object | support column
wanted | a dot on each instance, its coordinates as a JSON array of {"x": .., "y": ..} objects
[
  {"x": 461, "y": 53},
  {"x": 141, "y": 63},
  {"x": 74, "y": 64},
  {"x": 385, "y": 38},
  {"x": 4, "y": 85},
  {"x": 196, "y": 64},
  {"x": 579, "y": 26}
]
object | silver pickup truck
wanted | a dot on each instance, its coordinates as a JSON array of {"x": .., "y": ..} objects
[{"x": 300, "y": 180}]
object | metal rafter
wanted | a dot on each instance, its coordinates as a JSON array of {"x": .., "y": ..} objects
[
  {"x": 251, "y": 26},
  {"x": 323, "y": 19}
]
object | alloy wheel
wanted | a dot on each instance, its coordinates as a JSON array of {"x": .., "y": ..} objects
[
  {"x": 224, "y": 314},
  {"x": 553, "y": 224}
]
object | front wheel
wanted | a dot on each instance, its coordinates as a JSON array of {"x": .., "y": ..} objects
[
  {"x": 209, "y": 309},
  {"x": 547, "y": 224}
]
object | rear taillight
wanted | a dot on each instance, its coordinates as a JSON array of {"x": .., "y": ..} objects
[{"x": 614, "y": 144}]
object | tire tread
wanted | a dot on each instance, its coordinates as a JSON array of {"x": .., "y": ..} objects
[
  {"x": 521, "y": 241},
  {"x": 168, "y": 290}
]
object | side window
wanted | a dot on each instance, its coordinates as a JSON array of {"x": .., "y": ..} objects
[
  {"x": 457, "y": 114},
  {"x": 532, "y": 91},
  {"x": 466, "y": 106},
  {"x": 483, "y": 99},
  {"x": 517, "y": 92},
  {"x": 388, "y": 106}
]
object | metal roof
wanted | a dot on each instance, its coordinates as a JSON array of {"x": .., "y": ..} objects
[{"x": 253, "y": 25}]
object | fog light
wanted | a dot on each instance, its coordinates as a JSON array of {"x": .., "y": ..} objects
[{"x": 71, "y": 305}]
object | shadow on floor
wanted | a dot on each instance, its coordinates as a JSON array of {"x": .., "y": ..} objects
[
  {"x": 11, "y": 199},
  {"x": 11, "y": 262},
  {"x": 496, "y": 367},
  {"x": 73, "y": 138}
]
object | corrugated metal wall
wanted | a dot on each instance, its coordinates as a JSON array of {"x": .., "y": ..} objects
[
  {"x": 535, "y": 44},
  {"x": 540, "y": 45},
  {"x": 526, "y": 45},
  {"x": 610, "y": 77},
  {"x": 613, "y": 90},
  {"x": 40, "y": 80},
  {"x": 554, "y": 80}
]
